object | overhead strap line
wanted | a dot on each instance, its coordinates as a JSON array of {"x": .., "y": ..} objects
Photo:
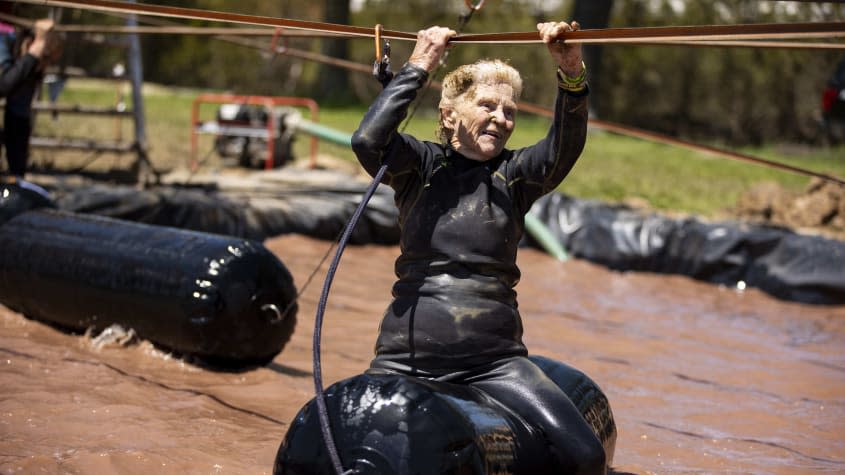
[
  {"x": 211, "y": 15},
  {"x": 759, "y": 31},
  {"x": 661, "y": 138},
  {"x": 832, "y": 28},
  {"x": 189, "y": 30},
  {"x": 669, "y": 140},
  {"x": 600, "y": 124},
  {"x": 292, "y": 33},
  {"x": 748, "y": 44}
]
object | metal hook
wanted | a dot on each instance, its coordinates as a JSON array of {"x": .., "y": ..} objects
[
  {"x": 381, "y": 66},
  {"x": 274, "y": 45}
]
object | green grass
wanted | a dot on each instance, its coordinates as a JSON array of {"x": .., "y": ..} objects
[{"x": 612, "y": 168}]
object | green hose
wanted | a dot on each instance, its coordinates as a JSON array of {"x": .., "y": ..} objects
[
  {"x": 544, "y": 236},
  {"x": 322, "y": 132}
]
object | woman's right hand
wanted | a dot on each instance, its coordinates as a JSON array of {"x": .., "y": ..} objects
[
  {"x": 431, "y": 45},
  {"x": 41, "y": 29}
]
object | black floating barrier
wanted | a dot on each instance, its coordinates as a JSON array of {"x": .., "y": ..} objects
[
  {"x": 15, "y": 199},
  {"x": 780, "y": 262},
  {"x": 387, "y": 423},
  {"x": 219, "y": 299},
  {"x": 784, "y": 264}
]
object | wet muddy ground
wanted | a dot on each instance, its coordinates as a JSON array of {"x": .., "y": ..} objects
[{"x": 701, "y": 378}]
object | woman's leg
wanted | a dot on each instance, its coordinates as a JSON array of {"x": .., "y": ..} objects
[{"x": 522, "y": 387}]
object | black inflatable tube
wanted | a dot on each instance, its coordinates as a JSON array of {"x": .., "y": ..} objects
[
  {"x": 394, "y": 424},
  {"x": 14, "y": 200},
  {"x": 219, "y": 299},
  {"x": 782, "y": 263}
]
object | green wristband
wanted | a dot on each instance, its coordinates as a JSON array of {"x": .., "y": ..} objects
[{"x": 575, "y": 84}]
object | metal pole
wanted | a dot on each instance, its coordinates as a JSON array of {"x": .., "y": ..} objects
[{"x": 136, "y": 75}]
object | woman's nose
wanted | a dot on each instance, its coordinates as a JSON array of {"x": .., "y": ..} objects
[{"x": 497, "y": 116}]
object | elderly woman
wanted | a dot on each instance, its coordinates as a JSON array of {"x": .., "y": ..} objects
[{"x": 462, "y": 203}]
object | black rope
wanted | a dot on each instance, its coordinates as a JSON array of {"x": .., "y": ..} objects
[{"x": 325, "y": 426}]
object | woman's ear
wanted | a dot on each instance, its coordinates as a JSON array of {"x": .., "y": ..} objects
[{"x": 448, "y": 117}]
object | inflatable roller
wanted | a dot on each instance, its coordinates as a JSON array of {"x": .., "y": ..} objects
[
  {"x": 217, "y": 298},
  {"x": 403, "y": 425},
  {"x": 15, "y": 199}
]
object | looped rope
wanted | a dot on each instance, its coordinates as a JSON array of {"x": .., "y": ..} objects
[{"x": 319, "y": 397}]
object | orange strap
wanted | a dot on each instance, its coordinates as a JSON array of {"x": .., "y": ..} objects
[
  {"x": 608, "y": 35},
  {"x": 377, "y": 37}
]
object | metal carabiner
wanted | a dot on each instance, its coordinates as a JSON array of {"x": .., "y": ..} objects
[
  {"x": 474, "y": 6},
  {"x": 381, "y": 66},
  {"x": 274, "y": 44}
]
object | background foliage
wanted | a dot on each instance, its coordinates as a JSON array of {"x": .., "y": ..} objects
[{"x": 735, "y": 96}]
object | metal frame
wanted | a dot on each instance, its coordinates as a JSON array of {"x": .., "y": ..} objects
[{"x": 270, "y": 132}]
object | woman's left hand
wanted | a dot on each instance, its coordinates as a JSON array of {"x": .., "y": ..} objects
[
  {"x": 567, "y": 56},
  {"x": 431, "y": 46}
]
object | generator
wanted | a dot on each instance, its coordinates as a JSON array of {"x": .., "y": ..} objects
[{"x": 254, "y": 135}]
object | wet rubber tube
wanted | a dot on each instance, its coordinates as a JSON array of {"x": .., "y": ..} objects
[
  {"x": 387, "y": 423},
  {"x": 587, "y": 397},
  {"x": 216, "y": 298},
  {"x": 15, "y": 199}
]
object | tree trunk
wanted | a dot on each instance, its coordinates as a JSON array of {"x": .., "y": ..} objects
[
  {"x": 333, "y": 86},
  {"x": 593, "y": 14}
]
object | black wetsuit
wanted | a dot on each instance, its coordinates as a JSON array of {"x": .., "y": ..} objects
[{"x": 454, "y": 314}]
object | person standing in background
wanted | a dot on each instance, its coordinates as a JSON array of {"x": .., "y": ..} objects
[{"x": 24, "y": 55}]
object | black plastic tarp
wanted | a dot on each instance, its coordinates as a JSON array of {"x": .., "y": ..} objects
[
  {"x": 790, "y": 266},
  {"x": 320, "y": 213}
]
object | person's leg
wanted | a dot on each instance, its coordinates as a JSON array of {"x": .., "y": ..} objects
[
  {"x": 3, "y": 149},
  {"x": 522, "y": 387},
  {"x": 16, "y": 138}
]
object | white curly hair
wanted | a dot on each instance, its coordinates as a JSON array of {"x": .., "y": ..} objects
[{"x": 460, "y": 85}]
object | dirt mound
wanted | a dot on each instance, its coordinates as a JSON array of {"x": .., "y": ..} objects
[{"x": 819, "y": 209}]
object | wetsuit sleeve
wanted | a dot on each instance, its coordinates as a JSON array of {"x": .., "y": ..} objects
[
  {"x": 377, "y": 140},
  {"x": 540, "y": 168},
  {"x": 15, "y": 73}
]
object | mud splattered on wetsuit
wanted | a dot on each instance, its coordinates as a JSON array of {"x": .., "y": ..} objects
[
  {"x": 454, "y": 305},
  {"x": 454, "y": 314}
]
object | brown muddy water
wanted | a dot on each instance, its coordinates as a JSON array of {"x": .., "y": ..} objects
[{"x": 701, "y": 378}]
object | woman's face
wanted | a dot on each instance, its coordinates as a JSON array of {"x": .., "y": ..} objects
[{"x": 482, "y": 122}]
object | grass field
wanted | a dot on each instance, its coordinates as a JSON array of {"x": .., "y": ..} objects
[{"x": 612, "y": 168}]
